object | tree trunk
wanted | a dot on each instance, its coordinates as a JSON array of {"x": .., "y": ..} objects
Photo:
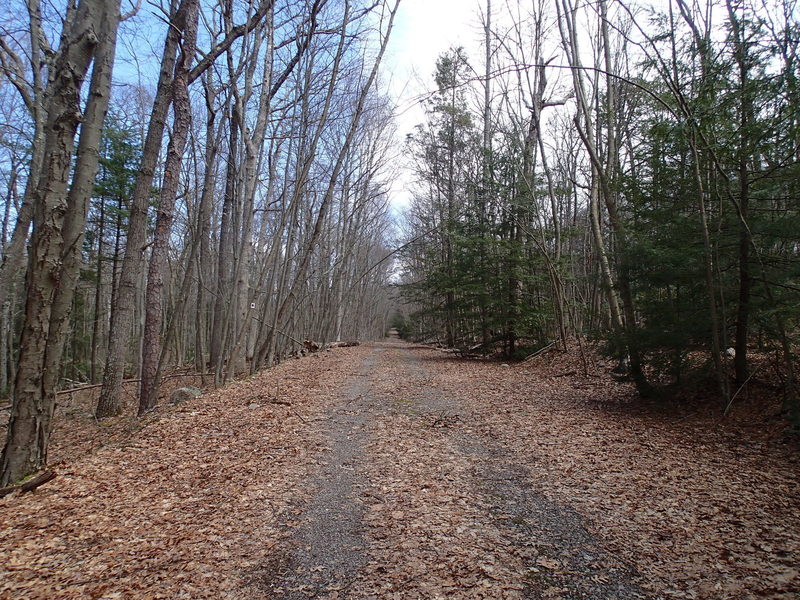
[
  {"x": 98, "y": 295},
  {"x": 204, "y": 228},
  {"x": 222, "y": 300},
  {"x": 745, "y": 119},
  {"x": 110, "y": 403},
  {"x": 59, "y": 219},
  {"x": 186, "y": 24},
  {"x": 14, "y": 251}
]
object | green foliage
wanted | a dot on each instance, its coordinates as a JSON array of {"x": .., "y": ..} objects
[
  {"x": 402, "y": 324},
  {"x": 120, "y": 153},
  {"x": 698, "y": 215}
]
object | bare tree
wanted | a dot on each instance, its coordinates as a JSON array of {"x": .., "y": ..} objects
[
  {"x": 58, "y": 219},
  {"x": 185, "y": 23}
]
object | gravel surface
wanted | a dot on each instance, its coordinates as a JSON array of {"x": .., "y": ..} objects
[
  {"x": 541, "y": 549},
  {"x": 327, "y": 551},
  {"x": 564, "y": 559}
]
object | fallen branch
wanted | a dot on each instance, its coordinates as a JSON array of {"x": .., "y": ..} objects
[
  {"x": 82, "y": 388},
  {"x": 479, "y": 350},
  {"x": 541, "y": 351},
  {"x": 344, "y": 344},
  {"x": 29, "y": 485},
  {"x": 741, "y": 387}
]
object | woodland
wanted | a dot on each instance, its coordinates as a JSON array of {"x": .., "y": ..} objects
[
  {"x": 616, "y": 175},
  {"x": 194, "y": 191},
  {"x": 216, "y": 215}
]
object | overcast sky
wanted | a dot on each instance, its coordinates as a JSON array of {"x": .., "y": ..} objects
[{"x": 423, "y": 30}]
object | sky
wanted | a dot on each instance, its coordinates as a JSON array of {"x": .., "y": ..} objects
[{"x": 424, "y": 29}]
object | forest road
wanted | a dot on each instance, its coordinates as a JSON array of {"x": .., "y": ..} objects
[
  {"x": 329, "y": 546},
  {"x": 393, "y": 471},
  {"x": 411, "y": 499}
]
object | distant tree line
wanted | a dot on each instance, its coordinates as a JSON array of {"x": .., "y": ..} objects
[{"x": 620, "y": 174}]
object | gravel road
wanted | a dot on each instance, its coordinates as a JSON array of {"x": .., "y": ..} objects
[{"x": 544, "y": 550}]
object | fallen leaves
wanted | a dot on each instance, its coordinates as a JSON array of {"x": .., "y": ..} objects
[
  {"x": 699, "y": 509},
  {"x": 548, "y": 563},
  {"x": 201, "y": 500},
  {"x": 186, "y": 506}
]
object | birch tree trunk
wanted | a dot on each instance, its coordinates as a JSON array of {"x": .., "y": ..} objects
[{"x": 604, "y": 174}]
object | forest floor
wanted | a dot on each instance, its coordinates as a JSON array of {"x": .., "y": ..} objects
[{"x": 397, "y": 471}]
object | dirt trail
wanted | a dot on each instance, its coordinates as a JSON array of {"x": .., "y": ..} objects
[
  {"x": 324, "y": 556},
  {"x": 529, "y": 519},
  {"x": 476, "y": 480},
  {"x": 391, "y": 471},
  {"x": 509, "y": 542}
]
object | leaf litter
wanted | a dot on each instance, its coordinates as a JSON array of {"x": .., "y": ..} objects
[
  {"x": 474, "y": 481},
  {"x": 191, "y": 505}
]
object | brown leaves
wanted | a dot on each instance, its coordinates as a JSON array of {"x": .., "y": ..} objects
[
  {"x": 698, "y": 511},
  {"x": 198, "y": 501},
  {"x": 548, "y": 563},
  {"x": 429, "y": 537},
  {"x": 187, "y": 506}
]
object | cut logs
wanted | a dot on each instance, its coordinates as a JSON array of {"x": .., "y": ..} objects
[{"x": 344, "y": 344}]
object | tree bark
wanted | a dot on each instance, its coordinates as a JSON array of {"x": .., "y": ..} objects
[
  {"x": 109, "y": 403},
  {"x": 186, "y": 24},
  {"x": 14, "y": 251},
  {"x": 745, "y": 119},
  {"x": 59, "y": 218}
]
